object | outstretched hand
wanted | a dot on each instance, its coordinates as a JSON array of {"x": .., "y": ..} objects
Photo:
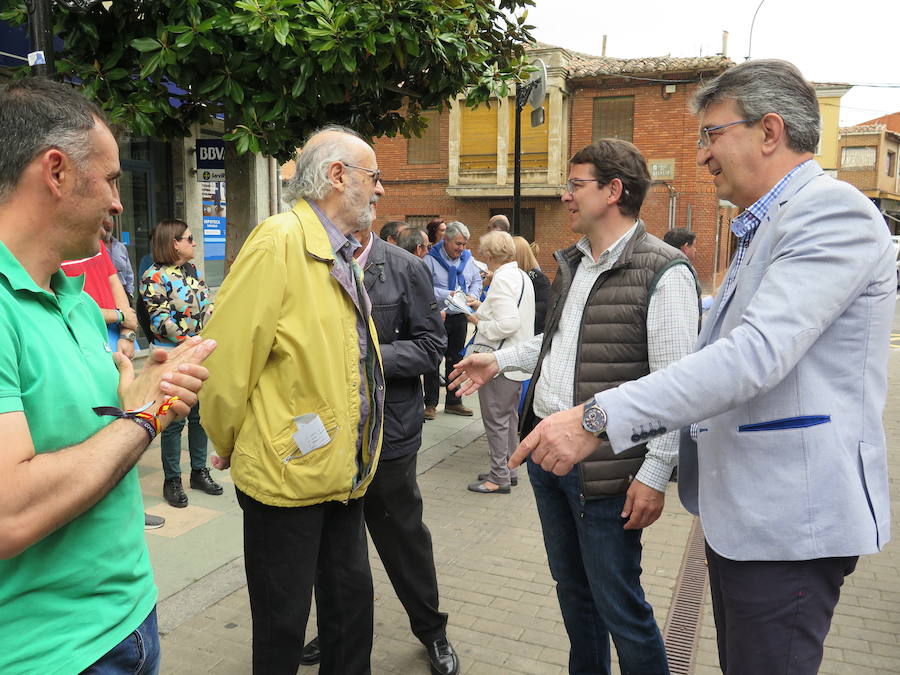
[
  {"x": 557, "y": 443},
  {"x": 472, "y": 372},
  {"x": 167, "y": 373}
]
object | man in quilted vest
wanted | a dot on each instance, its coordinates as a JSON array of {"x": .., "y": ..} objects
[{"x": 622, "y": 304}]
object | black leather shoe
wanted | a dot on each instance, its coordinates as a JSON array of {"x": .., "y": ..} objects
[
  {"x": 201, "y": 480},
  {"x": 311, "y": 655},
  {"x": 173, "y": 492},
  {"x": 487, "y": 476},
  {"x": 442, "y": 657}
]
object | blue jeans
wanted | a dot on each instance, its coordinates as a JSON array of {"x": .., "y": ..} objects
[
  {"x": 597, "y": 568},
  {"x": 137, "y": 654}
]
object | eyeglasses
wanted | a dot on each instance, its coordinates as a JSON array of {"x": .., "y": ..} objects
[
  {"x": 190, "y": 238},
  {"x": 572, "y": 183},
  {"x": 374, "y": 173},
  {"x": 706, "y": 140}
]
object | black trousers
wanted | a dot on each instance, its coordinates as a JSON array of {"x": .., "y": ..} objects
[
  {"x": 455, "y": 325},
  {"x": 393, "y": 508},
  {"x": 287, "y": 551},
  {"x": 772, "y": 617}
]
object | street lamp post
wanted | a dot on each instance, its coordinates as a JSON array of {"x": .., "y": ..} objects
[
  {"x": 40, "y": 34},
  {"x": 523, "y": 91}
]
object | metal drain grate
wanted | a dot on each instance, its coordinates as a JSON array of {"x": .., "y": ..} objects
[{"x": 682, "y": 629}]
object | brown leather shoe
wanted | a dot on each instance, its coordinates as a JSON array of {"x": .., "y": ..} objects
[
  {"x": 458, "y": 409},
  {"x": 430, "y": 412}
]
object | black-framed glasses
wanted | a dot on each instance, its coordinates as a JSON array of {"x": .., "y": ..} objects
[
  {"x": 374, "y": 173},
  {"x": 190, "y": 238},
  {"x": 572, "y": 183},
  {"x": 705, "y": 139}
]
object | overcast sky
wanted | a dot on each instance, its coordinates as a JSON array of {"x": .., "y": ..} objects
[{"x": 856, "y": 42}]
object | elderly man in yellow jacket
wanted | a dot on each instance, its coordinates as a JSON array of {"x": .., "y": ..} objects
[{"x": 294, "y": 405}]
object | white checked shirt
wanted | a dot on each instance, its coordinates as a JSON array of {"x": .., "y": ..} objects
[{"x": 672, "y": 318}]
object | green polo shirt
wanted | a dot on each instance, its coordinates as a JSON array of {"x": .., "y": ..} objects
[{"x": 71, "y": 597}]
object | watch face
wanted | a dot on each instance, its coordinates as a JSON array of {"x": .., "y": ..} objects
[{"x": 594, "y": 419}]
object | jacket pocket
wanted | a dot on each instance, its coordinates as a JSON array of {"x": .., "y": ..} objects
[
  {"x": 800, "y": 422},
  {"x": 286, "y": 448},
  {"x": 875, "y": 476}
]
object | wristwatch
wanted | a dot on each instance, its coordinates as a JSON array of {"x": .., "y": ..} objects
[
  {"x": 130, "y": 336},
  {"x": 594, "y": 419}
]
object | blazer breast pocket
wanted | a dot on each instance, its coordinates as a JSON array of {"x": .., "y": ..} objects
[{"x": 798, "y": 422}]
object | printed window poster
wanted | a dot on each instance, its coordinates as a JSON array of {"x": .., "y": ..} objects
[{"x": 213, "y": 220}]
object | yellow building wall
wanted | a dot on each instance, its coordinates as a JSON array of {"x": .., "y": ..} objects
[{"x": 829, "y": 110}]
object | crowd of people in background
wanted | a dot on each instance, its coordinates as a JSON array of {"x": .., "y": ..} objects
[{"x": 315, "y": 374}]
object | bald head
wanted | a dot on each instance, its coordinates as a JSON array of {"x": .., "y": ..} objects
[{"x": 498, "y": 223}]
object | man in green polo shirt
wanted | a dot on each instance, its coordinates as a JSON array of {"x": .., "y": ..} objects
[{"x": 76, "y": 588}]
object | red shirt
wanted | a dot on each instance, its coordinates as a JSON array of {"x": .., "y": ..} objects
[{"x": 96, "y": 270}]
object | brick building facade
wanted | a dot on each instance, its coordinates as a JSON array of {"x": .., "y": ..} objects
[{"x": 645, "y": 101}]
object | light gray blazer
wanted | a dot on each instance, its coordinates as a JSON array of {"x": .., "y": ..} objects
[{"x": 788, "y": 384}]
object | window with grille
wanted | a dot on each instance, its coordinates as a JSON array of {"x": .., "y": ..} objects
[
  {"x": 526, "y": 226},
  {"x": 856, "y": 157},
  {"x": 427, "y": 148},
  {"x": 613, "y": 118},
  {"x": 419, "y": 221}
]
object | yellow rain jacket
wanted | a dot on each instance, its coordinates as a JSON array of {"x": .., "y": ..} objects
[{"x": 288, "y": 346}]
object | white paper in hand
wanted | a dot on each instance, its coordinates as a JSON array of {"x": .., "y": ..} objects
[
  {"x": 457, "y": 303},
  {"x": 310, "y": 434}
]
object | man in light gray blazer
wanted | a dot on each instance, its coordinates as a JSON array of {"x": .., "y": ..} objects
[{"x": 787, "y": 383}]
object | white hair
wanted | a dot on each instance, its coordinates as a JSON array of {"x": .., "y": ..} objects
[
  {"x": 454, "y": 229},
  {"x": 310, "y": 180}
]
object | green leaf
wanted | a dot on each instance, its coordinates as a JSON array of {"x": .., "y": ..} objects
[
  {"x": 115, "y": 74},
  {"x": 348, "y": 60},
  {"x": 210, "y": 84},
  {"x": 184, "y": 40},
  {"x": 151, "y": 65},
  {"x": 181, "y": 28},
  {"x": 237, "y": 92},
  {"x": 243, "y": 144},
  {"x": 146, "y": 44}
]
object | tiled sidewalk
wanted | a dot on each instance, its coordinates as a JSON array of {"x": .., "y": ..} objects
[{"x": 492, "y": 571}]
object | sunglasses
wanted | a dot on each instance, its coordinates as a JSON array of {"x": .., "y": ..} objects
[{"x": 190, "y": 238}]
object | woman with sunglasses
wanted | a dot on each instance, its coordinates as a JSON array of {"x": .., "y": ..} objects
[{"x": 178, "y": 306}]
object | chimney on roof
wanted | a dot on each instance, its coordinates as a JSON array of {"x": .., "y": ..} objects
[
  {"x": 724, "y": 43},
  {"x": 603, "y": 50}
]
